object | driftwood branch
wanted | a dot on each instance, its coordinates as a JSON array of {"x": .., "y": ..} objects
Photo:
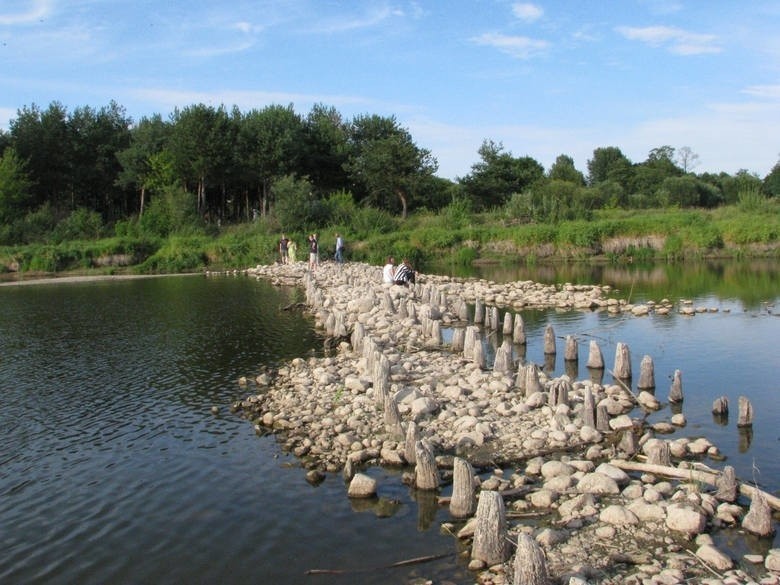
[
  {"x": 705, "y": 476},
  {"x": 403, "y": 563}
]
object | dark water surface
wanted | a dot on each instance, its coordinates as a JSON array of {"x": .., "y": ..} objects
[{"x": 114, "y": 470}]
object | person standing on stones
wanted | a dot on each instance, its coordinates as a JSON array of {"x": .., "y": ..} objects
[
  {"x": 314, "y": 252},
  {"x": 339, "y": 256},
  {"x": 283, "y": 243},
  {"x": 292, "y": 252}
]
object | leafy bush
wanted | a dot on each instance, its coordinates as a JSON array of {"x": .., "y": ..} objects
[
  {"x": 752, "y": 200},
  {"x": 173, "y": 212},
  {"x": 81, "y": 224}
]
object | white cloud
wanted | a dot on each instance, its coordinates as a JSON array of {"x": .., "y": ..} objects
[
  {"x": 340, "y": 24},
  {"x": 38, "y": 10},
  {"x": 517, "y": 46},
  {"x": 527, "y": 12},
  {"x": 676, "y": 40},
  {"x": 763, "y": 91}
]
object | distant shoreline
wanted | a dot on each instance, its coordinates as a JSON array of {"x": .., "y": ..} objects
[{"x": 37, "y": 280}]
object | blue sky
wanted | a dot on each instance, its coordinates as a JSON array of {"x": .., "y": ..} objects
[{"x": 541, "y": 78}]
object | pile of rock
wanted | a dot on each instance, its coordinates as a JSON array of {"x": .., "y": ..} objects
[{"x": 394, "y": 393}]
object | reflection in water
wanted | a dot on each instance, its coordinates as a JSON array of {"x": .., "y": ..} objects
[
  {"x": 745, "y": 438},
  {"x": 720, "y": 419},
  {"x": 427, "y": 507},
  {"x": 596, "y": 375},
  {"x": 549, "y": 364},
  {"x": 572, "y": 368}
]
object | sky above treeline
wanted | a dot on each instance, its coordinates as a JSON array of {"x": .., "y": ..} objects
[{"x": 540, "y": 78}]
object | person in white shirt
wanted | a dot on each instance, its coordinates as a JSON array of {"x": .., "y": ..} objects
[{"x": 388, "y": 272}]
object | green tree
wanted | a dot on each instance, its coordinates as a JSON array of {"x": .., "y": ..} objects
[
  {"x": 385, "y": 164},
  {"x": 269, "y": 147},
  {"x": 609, "y": 164},
  {"x": 563, "y": 169},
  {"x": 771, "y": 182},
  {"x": 498, "y": 175},
  {"x": 325, "y": 136},
  {"x": 15, "y": 187},
  {"x": 147, "y": 139}
]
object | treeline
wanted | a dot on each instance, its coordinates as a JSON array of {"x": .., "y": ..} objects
[{"x": 94, "y": 172}]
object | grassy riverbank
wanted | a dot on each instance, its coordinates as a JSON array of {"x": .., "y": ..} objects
[{"x": 451, "y": 235}]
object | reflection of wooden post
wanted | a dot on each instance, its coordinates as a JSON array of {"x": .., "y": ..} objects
[
  {"x": 622, "y": 369},
  {"x": 595, "y": 359},
  {"x": 549, "y": 340},
  {"x": 530, "y": 563},
  {"x": 490, "y": 532},
  {"x": 463, "y": 502},
  {"x": 426, "y": 474},
  {"x": 745, "y": 418},
  {"x": 675, "y": 392},
  {"x": 518, "y": 334},
  {"x": 646, "y": 374}
]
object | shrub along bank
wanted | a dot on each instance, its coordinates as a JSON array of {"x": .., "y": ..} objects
[{"x": 460, "y": 238}]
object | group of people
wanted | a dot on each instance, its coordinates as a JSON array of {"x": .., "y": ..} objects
[
  {"x": 403, "y": 274},
  {"x": 288, "y": 250}
]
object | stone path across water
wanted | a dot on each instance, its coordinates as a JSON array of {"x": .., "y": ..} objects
[{"x": 550, "y": 441}]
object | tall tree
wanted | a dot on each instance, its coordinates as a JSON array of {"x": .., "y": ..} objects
[
  {"x": 499, "y": 175},
  {"x": 687, "y": 159},
  {"x": 15, "y": 186},
  {"x": 609, "y": 164},
  {"x": 270, "y": 147},
  {"x": 147, "y": 138},
  {"x": 563, "y": 169},
  {"x": 385, "y": 164},
  {"x": 325, "y": 149},
  {"x": 772, "y": 181}
]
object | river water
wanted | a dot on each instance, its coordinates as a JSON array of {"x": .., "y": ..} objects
[{"x": 113, "y": 468}]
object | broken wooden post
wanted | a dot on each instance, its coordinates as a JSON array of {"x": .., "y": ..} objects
[
  {"x": 571, "y": 351},
  {"x": 602, "y": 418},
  {"x": 532, "y": 382},
  {"x": 530, "y": 566},
  {"x": 463, "y": 501},
  {"x": 426, "y": 473},
  {"x": 463, "y": 310},
  {"x": 595, "y": 359},
  {"x": 358, "y": 333},
  {"x": 436, "y": 338},
  {"x": 490, "y": 533},
  {"x": 507, "y": 329},
  {"x": 658, "y": 452},
  {"x": 479, "y": 311},
  {"x": 493, "y": 323},
  {"x": 628, "y": 443},
  {"x": 478, "y": 353},
  {"x": 549, "y": 340},
  {"x": 381, "y": 380},
  {"x": 758, "y": 520},
  {"x": 588, "y": 408},
  {"x": 392, "y": 418},
  {"x": 646, "y": 374},
  {"x": 518, "y": 333},
  {"x": 469, "y": 341},
  {"x": 745, "y": 418},
  {"x": 720, "y": 406},
  {"x": 387, "y": 302},
  {"x": 675, "y": 392},
  {"x": 622, "y": 368},
  {"x": 458, "y": 338},
  {"x": 503, "y": 361},
  {"x": 727, "y": 486},
  {"x": 412, "y": 436},
  {"x": 559, "y": 392}
]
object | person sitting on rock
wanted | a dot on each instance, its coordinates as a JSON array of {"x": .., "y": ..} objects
[
  {"x": 404, "y": 274},
  {"x": 388, "y": 272}
]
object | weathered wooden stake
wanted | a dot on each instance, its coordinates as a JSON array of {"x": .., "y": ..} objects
[
  {"x": 426, "y": 473},
  {"x": 549, "y": 340},
  {"x": 622, "y": 369},
  {"x": 745, "y": 418},
  {"x": 726, "y": 484},
  {"x": 530, "y": 565},
  {"x": 675, "y": 392},
  {"x": 646, "y": 374},
  {"x": 412, "y": 436},
  {"x": 595, "y": 359},
  {"x": 571, "y": 351},
  {"x": 532, "y": 382},
  {"x": 479, "y": 311},
  {"x": 518, "y": 334},
  {"x": 507, "y": 329},
  {"x": 464, "y": 501},
  {"x": 490, "y": 532},
  {"x": 720, "y": 406},
  {"x": 503, "y": 361},
  {"x": 588, "y": 408},
  {"x": 458, "y": 338},
  {"x": 658, "y": 452}
]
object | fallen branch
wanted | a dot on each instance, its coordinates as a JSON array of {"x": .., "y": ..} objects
[
  {"x": 708, "y": 477},
  {"x": 403, "y": 563}
]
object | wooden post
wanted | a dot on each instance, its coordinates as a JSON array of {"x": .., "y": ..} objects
[
  {"x": 675, "y": 392},
  {"x": 503, "y": 360},
  {"x": 358, "y": 333},
  {"x": 518, "y": 334},
  {"x": 392, "y": 418},
  {"x": 602, "y": 419},
  {"x": 549, "y": 340},
  {"x": 530, "y": 565},
  {"x": 381, "y": 380},
  {"x": 478, "y": 354},
  {"x": 532, "y": 383},
  {"x": 490, "y": 532},
  {"x": 646, "y": 374},
  {"x": 436, "y": 337},
  {"x": 520, "y": 379},
  {"x": 622, "y": 369},
  {"x": 479, "y": 311},
  {"x": 426, "y": 473},
  {"x": 463, "y": 501},
  {"x": 458, "y": 338},
  {"x": 507, "y": 329},
  {"x": 628, "y": 443},
  {"x": 595, "y": 359},
  {"x": 494, "y": 318},
  {"x": 745, "y": 418},
  {"x": 470, "y": 339},
  {"x": 758, "y": 520},
  {"x": 588, "y": 408},
  {"x": 571, "y": 353},
  {"x": 463, "y": 310},
  {"x": 726, "y": 484},
  {"x": 559, "y": 392},
  {"x": 412, "y": 436},
  {"x": 721, "y": 406},
  {"x": 658, "y": 452}
]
